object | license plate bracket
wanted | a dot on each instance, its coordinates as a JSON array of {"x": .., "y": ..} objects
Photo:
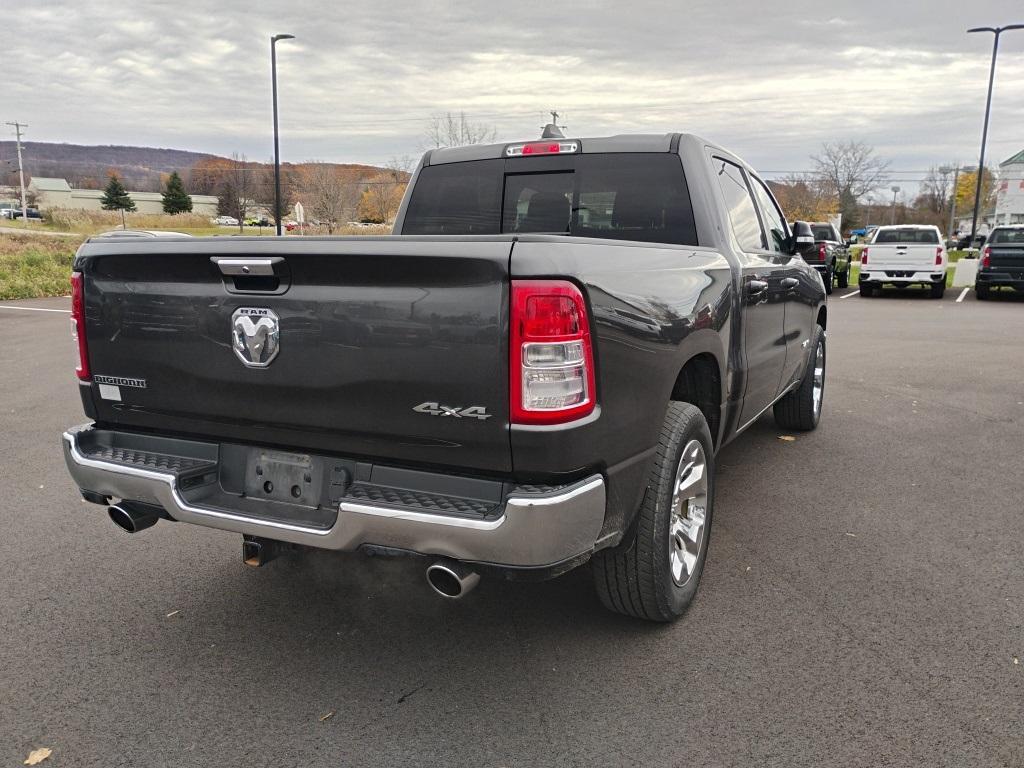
[{"x": 292, "y": 478}]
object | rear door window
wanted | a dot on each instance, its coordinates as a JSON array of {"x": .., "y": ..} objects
[{"x": 742, "y": 212}]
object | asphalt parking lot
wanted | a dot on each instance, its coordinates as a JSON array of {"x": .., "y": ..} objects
[{"x": 863, "y": 602}]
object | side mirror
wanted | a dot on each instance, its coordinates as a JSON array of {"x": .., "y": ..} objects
[{"x": 802, "y": 239}]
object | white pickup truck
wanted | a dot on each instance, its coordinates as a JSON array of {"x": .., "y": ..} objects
[{"x": 903, "y": 255}]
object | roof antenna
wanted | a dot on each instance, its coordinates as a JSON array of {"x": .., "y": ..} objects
[{"x": 553, "y": 130}]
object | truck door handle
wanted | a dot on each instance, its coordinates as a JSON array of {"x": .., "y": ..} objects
[
  {"x": 789, "y": 283},
  {"x": 756, "y": 288}
]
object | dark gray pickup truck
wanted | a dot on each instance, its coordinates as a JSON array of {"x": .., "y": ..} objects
[{"x": 537, "y": 371}]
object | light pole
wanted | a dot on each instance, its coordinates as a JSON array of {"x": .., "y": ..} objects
[
  {"x": 895, "y": 191},
  {"x": 996, "y": 31},
  {"x": 277, "y": 148}
]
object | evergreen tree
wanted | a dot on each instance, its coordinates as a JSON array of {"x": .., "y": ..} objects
[
  {"x": 175, "y": 198},
  {"x": 116, "y": 198}
]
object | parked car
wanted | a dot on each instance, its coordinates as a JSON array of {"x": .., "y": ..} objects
[
  {"x": 967, "y": 242},
  {"x": 536, "y": 372},
  {"x": 226, "y": 221},
  {"x": 1002, "y": 261},
  {"x": 830, "y": 256},
  {"x": 904, "y": 255},
  {"x": 257, "y": 221},
  {"x": 31, "y": 213}
]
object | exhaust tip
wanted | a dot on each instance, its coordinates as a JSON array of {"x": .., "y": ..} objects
[
  {"x": 131, "y": 518},
  {"x": 451, "y": 579}
]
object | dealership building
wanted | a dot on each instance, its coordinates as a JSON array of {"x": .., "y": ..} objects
[{"x": 57, "y": 193}]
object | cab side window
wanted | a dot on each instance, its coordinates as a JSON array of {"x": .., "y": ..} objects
[
  {"x": 774, "y": 221},
  {"x": 742, "y": 213}
]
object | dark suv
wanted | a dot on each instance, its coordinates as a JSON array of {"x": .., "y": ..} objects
[
  {"x": 1002, "y": 261},
  {"x": 830, "y": 256}
]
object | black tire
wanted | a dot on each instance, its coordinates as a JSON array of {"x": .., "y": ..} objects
[
  {"x": 844, "y": 277},
  {"x": 938, "y": 289},
  {"x": 636, "y": 580},
  {"x": 981, "y": 292},
  {"x": 798, "y": 410},
  {"x": 866, "y": 290},
  {"x": 829, "y": 280}
]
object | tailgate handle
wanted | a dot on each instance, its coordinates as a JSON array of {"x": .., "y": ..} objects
[{"x": 243, "y": 267}]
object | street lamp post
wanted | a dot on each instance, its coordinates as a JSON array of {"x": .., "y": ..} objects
[
  {"x": 895, "y": 191},
  {"x": 996, "y": 31},
  {"x": 277, "y": 148}
]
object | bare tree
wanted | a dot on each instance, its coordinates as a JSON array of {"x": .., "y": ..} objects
[
  {"x": 848, "y": 170},
  {"x": 331, "y": 194},
  {"x": 936, "y": 190},
  {"x": 237, "y": 187},
  {"x": 450, "y": 130}
]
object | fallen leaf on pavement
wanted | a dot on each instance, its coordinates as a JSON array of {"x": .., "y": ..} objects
[
  {"x": 36, "y": 756},
  {"x": 853, "y": 535},
  {"x": 1016, "y": 660},
  {"x": 172, "y": 613},
  {"x": 787, "y": 438},
  {"x": 328, "y": 716}
]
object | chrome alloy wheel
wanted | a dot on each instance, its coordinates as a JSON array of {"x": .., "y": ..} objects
[
  {"x": 687, "y": 515},
  {"x": 818, "y": 386}
]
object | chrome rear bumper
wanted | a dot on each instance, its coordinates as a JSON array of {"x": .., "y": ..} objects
[{"x": 532, "y": 529}]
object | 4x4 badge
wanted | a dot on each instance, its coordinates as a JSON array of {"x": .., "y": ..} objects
[{"x": 470, "y": 412}]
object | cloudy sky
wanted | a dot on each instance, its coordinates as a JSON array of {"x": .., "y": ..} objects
[{"x": 769, "y": 80}]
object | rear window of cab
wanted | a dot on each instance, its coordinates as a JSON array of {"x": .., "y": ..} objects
[{"x": 621, "y": 196}]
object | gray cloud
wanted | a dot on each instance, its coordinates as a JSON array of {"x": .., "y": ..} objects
[{"x": 361, "y": 78}]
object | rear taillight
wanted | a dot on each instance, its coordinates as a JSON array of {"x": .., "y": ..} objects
[
  {"x": 551, "y": 360},
  {"x": 864, "y": 256},
  {"x": 938, "y": 256},
  {"x": 821, "y": 251},
  {"x": 78, "y": 325},
  {"x": 986, "y": 257}
]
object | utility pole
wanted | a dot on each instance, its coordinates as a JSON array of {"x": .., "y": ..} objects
[
  {"x": 952, "y": 200},
  {"x": 21, "y": 171}
]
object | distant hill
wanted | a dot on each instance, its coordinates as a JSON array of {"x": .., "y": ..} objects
[{"x": 140, "y": 168}]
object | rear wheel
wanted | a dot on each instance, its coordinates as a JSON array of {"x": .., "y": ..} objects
[
  {"x": 980, "y": 292},
  {"x": 844, "y": 277},
  {"x": 801, "y": 408},
  {"x": 939, "y": 289},
  {"x": 656, "y": 576},
  {"x": 866, "y": 290}
]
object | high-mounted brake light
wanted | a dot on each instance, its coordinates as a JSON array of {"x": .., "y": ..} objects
[
  {"x": 986, "y": 257},
  {"x": 78, "y": 326},
  {"x": 551, "y": 360},
  {"x": 542, "y": 148},
  {"x": 864, "y": 256}
]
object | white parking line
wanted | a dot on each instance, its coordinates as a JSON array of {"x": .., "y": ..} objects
[
  {"x": 35, "y": 309},
  {"x": 962, "y": 294},
  {"x": 853, "y": 293}
]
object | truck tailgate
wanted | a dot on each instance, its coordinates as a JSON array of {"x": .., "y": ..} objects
[
  {"x": 918, "y": 257},
  {"x": 1007, "y": 257},
  {"x": 385, "y": 347}
]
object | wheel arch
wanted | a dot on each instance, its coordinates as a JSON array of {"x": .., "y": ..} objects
[{"x": 700, "y": 383}]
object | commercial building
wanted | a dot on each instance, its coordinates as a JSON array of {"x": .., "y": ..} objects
[
  {"x": 57, "y": 193},
  {"x": 1010, "y": 191}
]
